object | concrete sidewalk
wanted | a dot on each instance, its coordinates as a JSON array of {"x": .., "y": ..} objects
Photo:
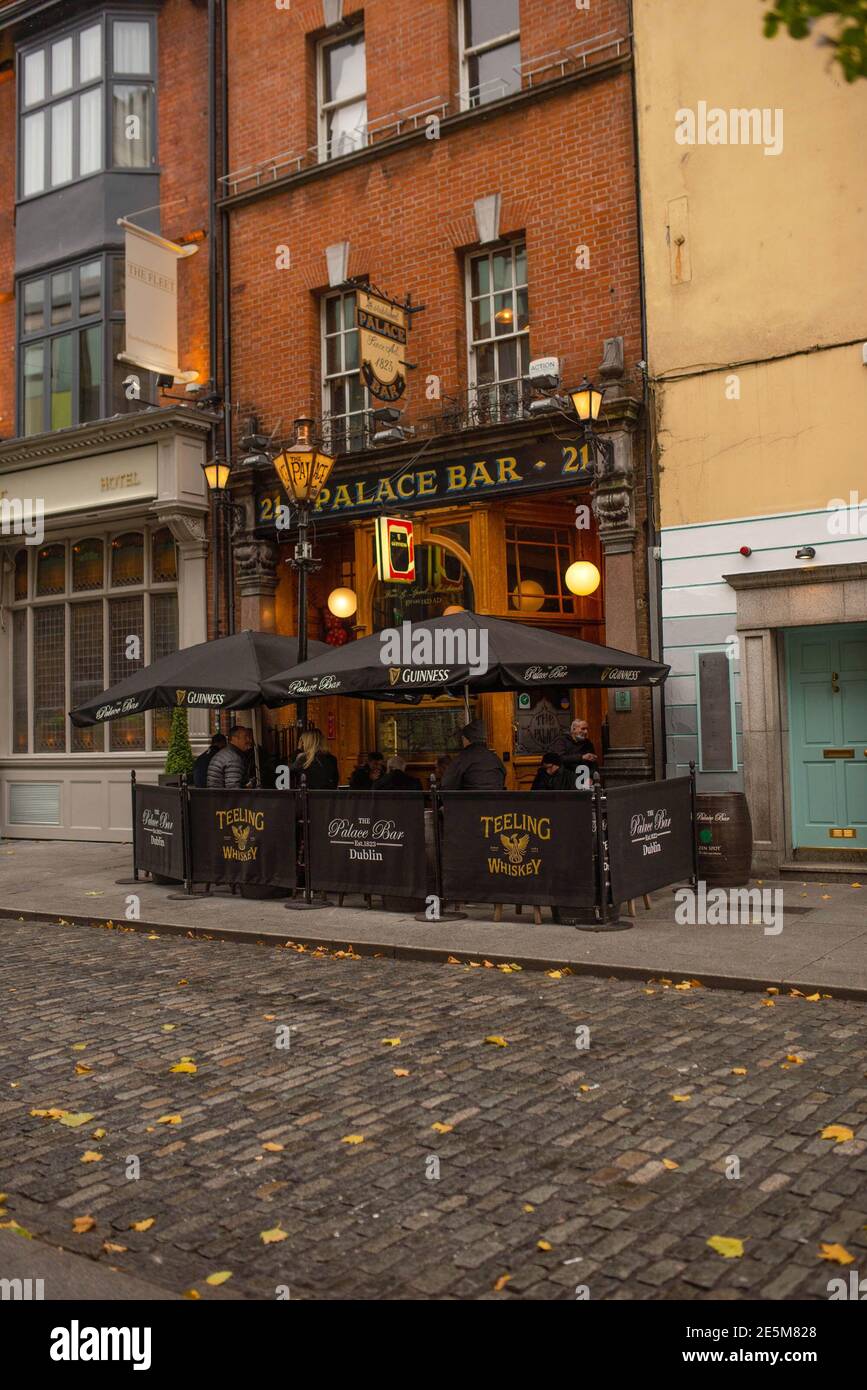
[{"x": 822, "y": 946}]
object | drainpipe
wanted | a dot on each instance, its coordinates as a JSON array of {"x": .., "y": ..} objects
[
  {"x": 654, "y": 565},
  {"x": 225, "y": 295},
  {"x": 213, "y": 327}
]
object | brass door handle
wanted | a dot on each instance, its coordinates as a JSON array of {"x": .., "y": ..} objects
[{"x": 835, "y": 676}]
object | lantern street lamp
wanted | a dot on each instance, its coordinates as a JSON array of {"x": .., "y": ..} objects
[
  {"x": 303, "y": 469},
  {"x": 587, "y": 404},
  {"x": 228, "y": 520}
]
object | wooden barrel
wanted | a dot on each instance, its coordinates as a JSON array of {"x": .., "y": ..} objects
[{"x": 725, "y": 838}]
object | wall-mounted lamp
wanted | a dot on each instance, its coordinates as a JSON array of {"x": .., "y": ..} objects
[{"x": 805, "y": 552}]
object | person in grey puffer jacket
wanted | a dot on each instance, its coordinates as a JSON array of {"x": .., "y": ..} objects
[{"x": 228, "y": 768}]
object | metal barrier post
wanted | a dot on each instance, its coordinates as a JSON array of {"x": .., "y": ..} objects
[
  {"x": 185, "y": 835},
  {"x": 694, "y": 815},
  {"x": 305, "y": 904},
  {"x": 126, "y": 882}
]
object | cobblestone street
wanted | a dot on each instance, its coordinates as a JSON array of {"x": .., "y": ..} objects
[{"x": 554, "y": 1165}]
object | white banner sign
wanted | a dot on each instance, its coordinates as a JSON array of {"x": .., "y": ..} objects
[{"x": 152, "y": 302}]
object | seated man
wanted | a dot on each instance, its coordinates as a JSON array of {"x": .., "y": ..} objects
[
  {"x": 575, "y": 748},
  {"x": 396, "y": 778},
  {"x": 476, "y": 768},
  {"x": 369, "y": 774},
  {"x": 552, "y": 776}
]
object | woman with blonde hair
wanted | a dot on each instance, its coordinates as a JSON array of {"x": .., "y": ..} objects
[{"x": 315, "y": 762}]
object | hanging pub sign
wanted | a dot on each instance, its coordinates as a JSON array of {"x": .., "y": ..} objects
[
  {"x": 529, "y": 847},
  {"x": 368, "y": 842},
  {"x": 395, "y": 550},
  {"x": 650, "y": 836},
  {"x": 382, "y": 345}
]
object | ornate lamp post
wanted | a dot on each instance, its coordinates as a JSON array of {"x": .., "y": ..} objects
[
  {"x": 303, "y": 469},
  {"x": 228, "y": 519}
]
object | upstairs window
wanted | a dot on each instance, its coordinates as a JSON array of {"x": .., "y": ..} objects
[
  {"x": 86, "y": 103},
  {"x": 498, "y": 331},
  {"x": 71, "y": 328},
  {"x": 342, "y": 82},
  {"x": 345, "y": 400},
  {"x": 490, "y": 47}
]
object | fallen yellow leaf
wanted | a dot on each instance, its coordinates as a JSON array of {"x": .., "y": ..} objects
[
  {"x": 400, "y": 1071},
  {"x": 273, "y": 1236},
  {"x": 191, "y": 1293},
  {"x": 554, "y": 974},
  {"x": 441, "y": 1128},
  {"x": 169, "y": 1027},
  {"x": 391, "y": 1042},
  {"x": 528, "y": 1206},
  {"x": 143, "y": 1225},
  {"x": 15, "y": 1229},
  {"x": 91, "y": 1156},
  {"x": 670, "y": 1164},
  {"x": 728, "y": 1246},
  {"x": 111, "y": 1249},
  {"x": 793, "y": 1057},
  {"x": 79, "y": 1047},
  {"x": 98, "y": 1134},
  {"x": 82, "y": 1224},
  {"x": 768, "y": 1003},
  {"x": 544, "y": 1245},
  {"x": 502, "y": 1282},
  {"x": 811, "y": 998},
  {"x": 677, "y": 1097},
  {"x": 497, "y": 1040},
  {"x": 739, "y": 1071},
  {"x": 837, "y": 1253},
  {"x": 839, "y": 1133},
  {"x": 352, "y": 1139},
  {"x": 185, "y": 1064},
  {"x": 273, "y": 1148},
  {"x": 74, "y": 1120},
  {"x": 82, "y": 1070},
  {"x": 169, "y": 1120},
  {"x": 219, "y": 1278}
]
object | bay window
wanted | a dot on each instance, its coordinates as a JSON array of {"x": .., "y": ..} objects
[
  {"x": 77, "y": 606},
  {"x": 86, "y": 102}
]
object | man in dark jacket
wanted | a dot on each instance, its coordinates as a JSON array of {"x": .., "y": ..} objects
[
  {"x": 203, "y": 761},
  {"x": 552, "y": 776},
  {"x": 476, "y": 768},
  {"x": 228, "y": 768},
  {"x": 575, "y": 748},
  {"x": 369, "y": 774},
  {"x": 396, "y": 778}
]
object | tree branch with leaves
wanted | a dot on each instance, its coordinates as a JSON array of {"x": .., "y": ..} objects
[{"x": 849, "y": 41}]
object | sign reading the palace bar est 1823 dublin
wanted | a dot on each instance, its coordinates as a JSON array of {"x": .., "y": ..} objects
[
  {"x": 382, "y": 345},
  {"x": 242, "y": 837},
  {"x": 524, "y": 847},
  {"x": 649, "y": 836},
  {"x": 159, "y": 840},
  {"x": 524, "y": 468},
  {"x": 368, "y": 842}
]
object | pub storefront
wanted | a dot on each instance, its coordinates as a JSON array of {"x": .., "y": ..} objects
[{"x": 499, "y": 516}]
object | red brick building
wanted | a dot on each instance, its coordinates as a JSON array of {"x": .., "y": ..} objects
[{"x": 474, "y": 158}]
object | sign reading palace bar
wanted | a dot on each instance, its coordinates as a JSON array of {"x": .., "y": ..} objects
[{"x": 528, "y": 467}]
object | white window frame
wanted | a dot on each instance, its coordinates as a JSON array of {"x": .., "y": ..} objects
[
  {"x": 103, "y": 595},
  {"x": 472, "y": 364},
  {"x": 325, "y": 108},
  {"x": 327, "y": 378},
  {"x": 468, "y": 102}
]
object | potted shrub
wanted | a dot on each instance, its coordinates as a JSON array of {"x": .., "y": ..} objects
[{"x": 179, "y": 757}]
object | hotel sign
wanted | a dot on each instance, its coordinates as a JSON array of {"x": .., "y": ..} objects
[{"x": 529, "y": 467}]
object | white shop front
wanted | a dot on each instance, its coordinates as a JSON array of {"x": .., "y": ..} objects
[{"x": 118, "y": 580}]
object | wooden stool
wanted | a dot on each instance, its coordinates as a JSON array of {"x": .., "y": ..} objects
[{"x": 630, "y": 907}]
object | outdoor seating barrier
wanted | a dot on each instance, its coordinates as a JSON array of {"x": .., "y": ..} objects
[{"x": 586, "y": 852}]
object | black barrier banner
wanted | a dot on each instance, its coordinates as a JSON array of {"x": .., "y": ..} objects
[
  {"x": 368, "y": 842},
  {"x": 158, "y": 830},
  {"x": 245, "y": 836},
  {"x": 649, "y": 836},
  {"x": 519, "y": 847}
]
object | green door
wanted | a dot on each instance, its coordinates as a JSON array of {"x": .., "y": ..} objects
[{"x": 828, "y": 723}]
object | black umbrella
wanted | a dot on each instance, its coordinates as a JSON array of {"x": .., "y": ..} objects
[
  {"x": 461, "y": 652},
  {"x": 228, "y": 673}
]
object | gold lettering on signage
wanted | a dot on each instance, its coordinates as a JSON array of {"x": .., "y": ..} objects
[
  {"x": 385, "y": 491},
  {"x": 457, "y": 474},
  {"x": 481, "y": 475},
  {"x": 427, "y": 482},
  {"x": 407, "y": 478},
  {"x": 341, "y": 497},
  {"x": 118, "y": 480},
  {"x": 360, "y": 497},
  {"x": 507, "y": 471},
  {"x": 514, "y": 820}
]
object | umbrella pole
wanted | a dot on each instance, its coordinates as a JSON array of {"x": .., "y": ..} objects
[
  {"x": 467, "y": 702},
  {"x": 257, "y": 738}
]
